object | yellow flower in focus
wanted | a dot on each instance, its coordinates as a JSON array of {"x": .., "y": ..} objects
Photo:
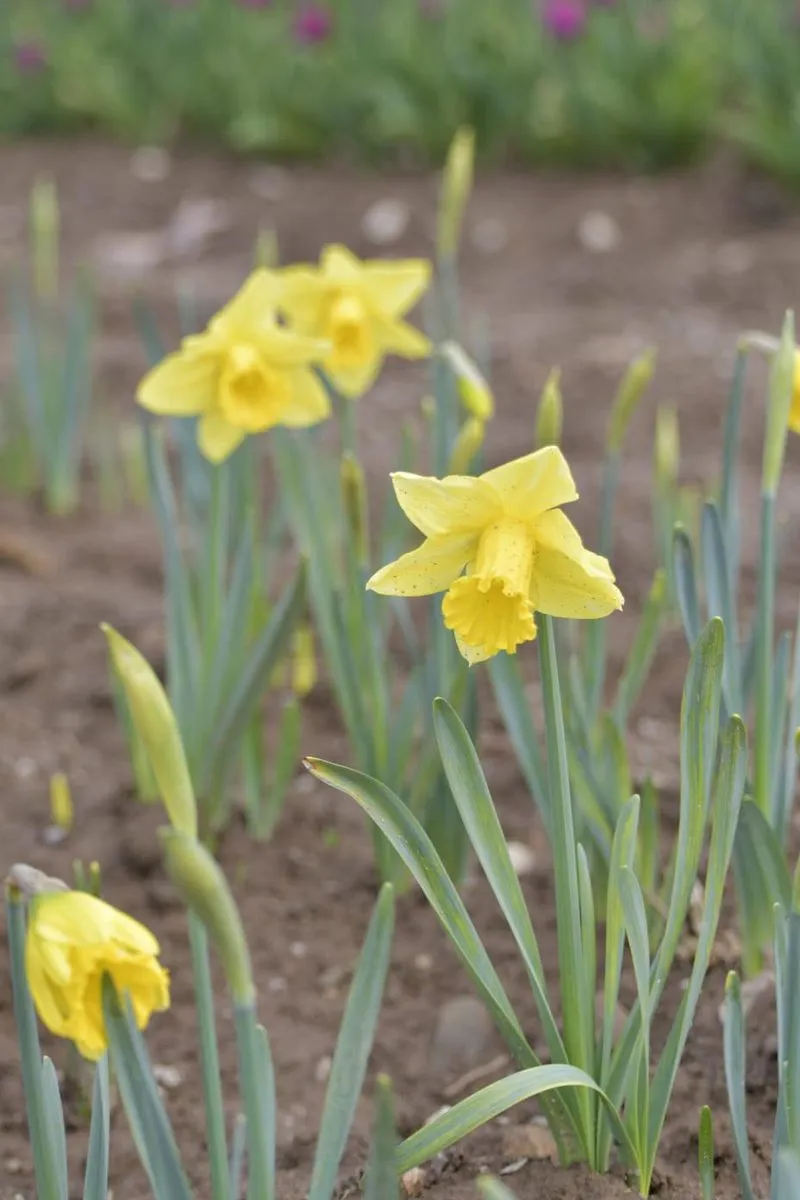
[
  {"x": 73, "y": 940},
  {"x": 358, "y": 307},
  {"x": 521, "y": 553},
  {"x": 244, "y": 375},
  {"x": 794, "y": 411}
]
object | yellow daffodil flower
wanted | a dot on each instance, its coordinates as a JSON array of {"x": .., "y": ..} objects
[
  {"x": 73, "y": 940},
  {"x": 358, "y": 307},
  {"x": 521, "y": 553},
  {"x": 794, "y": 411},
  {"x": 244, "y": 375}
]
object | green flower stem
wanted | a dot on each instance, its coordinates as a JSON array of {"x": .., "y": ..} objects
[
  {"x": 577, "y": 1007},
  {"x": 44, "y": 1165},
  {"x": 764, "y": 657},
  {"x": 209, "y": 1060},
  {"x": 596, "y": 633},
  {"x": 259, "y": 1176}
]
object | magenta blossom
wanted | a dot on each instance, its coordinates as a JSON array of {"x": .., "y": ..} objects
[
  {"x": 564, "y": 19},
  {"x": 312, "y": 24},
  {"x": 29, "y": 58}
]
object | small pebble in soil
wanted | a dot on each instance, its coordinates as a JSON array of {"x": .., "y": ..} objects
[
  {"x": 323, "y": 1068},
  {"x": 512, "y": 1167},
  {"x": 598, "y": 232},
  {"x": 25, "y": 768},
  {"x": 415, "y": 1181},
  {"x": 385, "y": 221},
  {"x": 489, "y": 236},
  {"x": 150, "y": 164},
  {"x": 269, "y": 183},
  {"x": 298, "y": 949},
  {"x": 277, "y": 984},
  {"x": 168, "y": 1077},
  {"x": 529, "y": 1141},
  {"x": 523, "y": 860},
  {"x": 12, "y": 1165},
  {"x": 423, "y": 962},
  {"x": 462, "y": 1039},
  {"x": 54, "y": 835}
]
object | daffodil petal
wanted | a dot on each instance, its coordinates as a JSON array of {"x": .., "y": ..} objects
[
  {"x": 340, "y": 265},
  {"x": 45, "y": 994},
  {"x": 310, "y": 403},
  {"x": 438, "y": 507},
  {"x": 285, "y": 348},
  {"x": 430, "y": 568},
  {"x": 395, "y": 287},
  {"x": 251, "y": 310},
  {"x": 567, "y": 582},
  {"x": 183, "y": 384},
  {"x": 473, "y": 654},
  {"x": 304, "y": 296},
  {"x": 217, "y": 438},
  {"x": 531, "y": 485},
  {"x": 353, "y": 382},
  {"x": 398, "y": 337}
]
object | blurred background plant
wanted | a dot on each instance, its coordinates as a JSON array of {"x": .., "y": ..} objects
[{"x": 544, "y": 82}]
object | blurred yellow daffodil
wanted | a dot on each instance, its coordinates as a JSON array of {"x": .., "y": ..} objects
[
  {"x": 73, "y": 940},
  {"x": 244, "y": 375},
  {"x": 521, "y": 553},
  {"x": 794, "y": 411},
  {"x": 358, "y": 307}
]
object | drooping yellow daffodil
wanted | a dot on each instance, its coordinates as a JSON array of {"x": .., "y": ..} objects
[
  {"x": 358, "y": 307},
  {"x": 244, "y": 375},
  {"x": 73, "y": 940},
  {"x": 521, "y": 553}
]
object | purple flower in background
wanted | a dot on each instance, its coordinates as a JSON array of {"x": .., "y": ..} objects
[
  {"x": 29, "y": 58},
  {"x": 312, "y": 24},
  {"x": 565, "y": 19}
]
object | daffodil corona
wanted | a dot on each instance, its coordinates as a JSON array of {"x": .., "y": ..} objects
[
  {"x": 501, "y": 549},
  {"x": 73, "y": 940},
  {"x": 358, "y": 308},
  {"x": 245, "y": 374}
]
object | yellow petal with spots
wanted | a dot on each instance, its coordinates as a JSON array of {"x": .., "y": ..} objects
[
  {"x": 439, "y": 507},
  {"x": 430, "y": 568},
  {"x": 567, "y": 580},
  {"x": 531, "y": 485}
]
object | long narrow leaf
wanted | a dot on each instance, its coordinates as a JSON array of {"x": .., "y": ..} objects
[
  {"x": 95, "y": 1182},
  {"x": 353, "y": 1047}
]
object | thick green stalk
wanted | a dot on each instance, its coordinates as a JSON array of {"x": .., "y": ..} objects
[
  {"x": 31, "y": 1057},
  {"x": 765, "y": 618},
  {"x": 577, "y": 1007},
  {"x": 596, "y": 632},
  {"x": 259, "y": 1175},
  {"x": 209, "y": 1061}
]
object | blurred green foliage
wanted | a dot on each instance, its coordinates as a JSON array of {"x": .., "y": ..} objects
[{"x": 642, "y": 84}]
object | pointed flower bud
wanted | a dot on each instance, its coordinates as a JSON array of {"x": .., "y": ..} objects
[{"x": 157, "y": 728}]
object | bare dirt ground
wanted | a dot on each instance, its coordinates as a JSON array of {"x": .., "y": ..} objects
[{"x": 694, "y": 260}]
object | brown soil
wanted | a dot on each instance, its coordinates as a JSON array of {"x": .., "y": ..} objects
[{"x": 700, "y": 258}]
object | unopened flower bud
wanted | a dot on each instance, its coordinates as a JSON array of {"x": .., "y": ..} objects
[
  {"x": 157, "y": 728},
  {"x": 474, "y": 391},
  {"x": 468, "y": 443},
  {"x": 634, "y": 384},
  {"x": 456, "y": 188},
  {"x": 550, "y": 417}
]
